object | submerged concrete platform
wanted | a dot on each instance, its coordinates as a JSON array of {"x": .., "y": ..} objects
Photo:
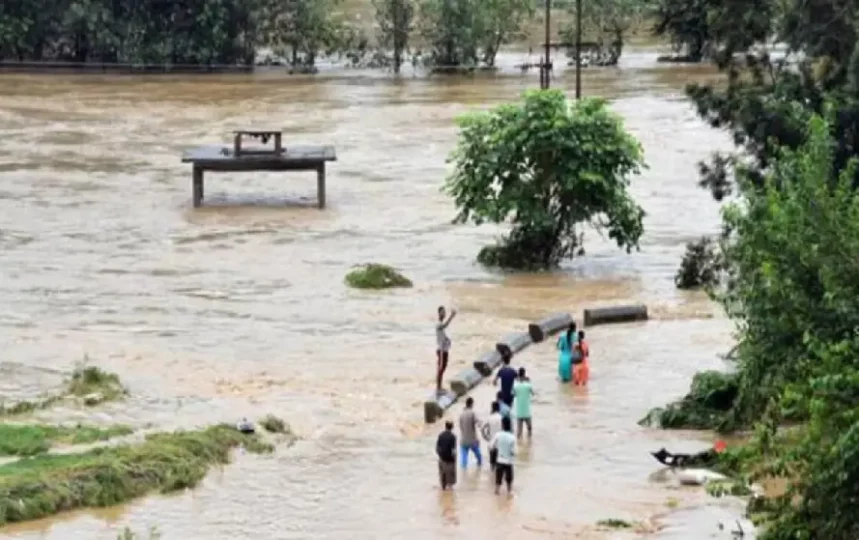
[{"x": 240, "y": 158}]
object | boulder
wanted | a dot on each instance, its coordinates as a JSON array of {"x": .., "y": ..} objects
[
  {"x": 615, "y": 314},
  {"x": 436, "y": 404},
  {"x": 488, "y": 362},
  {"x": 465, "y": 380},
  {"x": 549, "y": 326}
]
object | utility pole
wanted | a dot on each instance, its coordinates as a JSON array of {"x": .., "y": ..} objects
[
  {"x": 547, "y": 63},
  {"x": 578, "y": 49}
]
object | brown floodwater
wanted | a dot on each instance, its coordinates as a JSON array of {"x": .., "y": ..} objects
[{"x": 239, "y": 308}]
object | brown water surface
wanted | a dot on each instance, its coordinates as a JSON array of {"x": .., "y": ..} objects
[{"x": 239, "y": 308}]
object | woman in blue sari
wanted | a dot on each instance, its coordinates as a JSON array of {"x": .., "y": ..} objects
[{"x": 565, "y": 355}]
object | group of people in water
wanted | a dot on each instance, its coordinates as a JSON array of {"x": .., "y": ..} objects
[{"x": 515, "y": 392}]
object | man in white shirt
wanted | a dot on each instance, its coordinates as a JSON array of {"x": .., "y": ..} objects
[
  {"x": 504, "y": 443},
  {"x": 442, "y": 350},
  {"x": 491, "y": 428}
]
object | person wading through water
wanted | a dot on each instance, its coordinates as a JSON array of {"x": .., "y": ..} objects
[
  {"x": 491, "y": 428},
  {"x": 582, "y": 370},
  {"x": 442, "y": 350},
  {"x": 505, "y": 443},
  {"x": 523, "y": 391},
  {"x": 468, "y": 442},
  {"x": 507, "y": 375},
  {"x": 445, "y": 449},
  {"x": 566, "y": 343}
]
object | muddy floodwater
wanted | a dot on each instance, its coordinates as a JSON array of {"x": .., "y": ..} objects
[{"x": 239, "y": 308}]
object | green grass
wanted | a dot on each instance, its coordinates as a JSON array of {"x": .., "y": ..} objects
[
  {"x": 47, "y": 484},
  {"x": 376, "y": 276},
  {"x": 90, "y": 384},
  {"x": 32, "y": 439},
  {"x": 90, "y": 381},
  {"x": 614, "y": 523}
]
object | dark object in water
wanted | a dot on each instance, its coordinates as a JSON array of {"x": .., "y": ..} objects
[
  {"x": 700, "y": 459},
  {"x": 246, "y": 427}
]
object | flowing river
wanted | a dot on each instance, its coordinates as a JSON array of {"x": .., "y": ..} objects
[{"x": 239, "y": 308}]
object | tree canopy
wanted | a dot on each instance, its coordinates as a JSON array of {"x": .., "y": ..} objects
[{"x": 548, "y": 167}]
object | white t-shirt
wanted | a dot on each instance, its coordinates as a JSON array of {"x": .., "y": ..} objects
[
  {"x": 492, "y": 426},
  {"x": 505, "y": 443},
  {"x": 442, "y": 342}
]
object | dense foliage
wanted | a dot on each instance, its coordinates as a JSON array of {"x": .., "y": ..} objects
[
  {"x": 129, "y": 31},
  {"x": 607, "y": 23},
  {"x": 547, "y": 167}
]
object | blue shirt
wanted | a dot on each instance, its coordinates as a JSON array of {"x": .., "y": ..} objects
[
  {"x": 504, "y": 409},
  {"x": 508, "y": 376}
]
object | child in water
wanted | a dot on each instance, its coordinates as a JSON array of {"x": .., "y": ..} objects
[{"x": 581, "y": 370}]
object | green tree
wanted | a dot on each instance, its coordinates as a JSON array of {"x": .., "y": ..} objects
[
  {"x": 685, "y": 23},
  {"x": 499, "y": 23},
  {"x": 792, "y": 291},
  {"x": 396, "y": 23},
  {"x": 547, "y": 167},
  {"x": 449, "y": 29},
  {"x": 303, "y": 30}
]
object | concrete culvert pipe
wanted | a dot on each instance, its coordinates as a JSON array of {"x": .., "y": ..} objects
[
  {"x": 549, "y": 326},
  {"x": 437, "y": 403},
  {"x": 465, "y": 380},
  {"x": 615, "y": 314},
  {"x": 487, "y": 363},
  {"x": 513, "y": 343}
]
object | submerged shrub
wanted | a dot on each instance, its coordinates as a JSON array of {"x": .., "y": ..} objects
[{"x": 376, "y": 276}]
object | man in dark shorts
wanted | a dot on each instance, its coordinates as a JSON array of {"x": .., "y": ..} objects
[
  {"x": 442, "y": 350},
  {"x": 504, "y": 443},
  {"x": 445, "y": 449},
  {"x": 507, "y": 375}
]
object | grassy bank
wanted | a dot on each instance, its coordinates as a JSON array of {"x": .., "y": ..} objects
[
  {"x": 29, "y": 440},
  {"x": 36, "y": 487},
  {"x": 89, "y": 385}
]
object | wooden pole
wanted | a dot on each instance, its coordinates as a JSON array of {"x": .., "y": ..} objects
[
  {"x": 320, "y": 186},
  {"x": 578, "y": 49},
  {"x": 197, "y": 186}
]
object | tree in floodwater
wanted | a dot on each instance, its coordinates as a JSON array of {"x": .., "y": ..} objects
[
  {"x": 129, "y": 31},
  {"x": 463, "y": 34},
  {"x": 303, "y": 30},
  {"x": 448, "y": 27},
  {"x": 395, "y": 19},
  {"x": 547, "y": 167},
  {"x": 500, "y": 22}
]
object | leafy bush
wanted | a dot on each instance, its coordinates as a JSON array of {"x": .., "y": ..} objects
[{"x": 376, "y": 276}]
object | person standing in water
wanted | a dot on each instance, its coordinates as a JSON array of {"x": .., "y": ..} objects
[
  {"x": 468, "y": 441},
  {"x": 445, "y": 449},
  {"x": 505, "y": 444},
  {"x": 523, "y": 391},
  {"x": 442, "y": 350},
  {"x": 582, "y": 370},
  {"x": 507, "y": 375},
  {"x": 491, "y": 428},
  {"x": 565, "y": 346}
]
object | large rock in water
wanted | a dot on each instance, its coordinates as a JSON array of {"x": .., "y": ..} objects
[
  {"x": 465, "y": 380},
  {"x": 615, "y": 314},
  {"x": 436, "y": 404},
  {"x": 549, "y": 326}
]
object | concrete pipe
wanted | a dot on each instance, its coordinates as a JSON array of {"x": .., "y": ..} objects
[
  {"x": 513, "y": 343},
  {"x": 465, "y": 380},
  {"x": 615, "y": 314},
  {"x": 437, "y": 403},
  {"x": 549, "y": 326},
  {"x": 487, "y": 363}
]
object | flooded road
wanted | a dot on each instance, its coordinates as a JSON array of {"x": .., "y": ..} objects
[{"x": 239, "y": 308}]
